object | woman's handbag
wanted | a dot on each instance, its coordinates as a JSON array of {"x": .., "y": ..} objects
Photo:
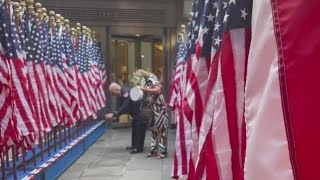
[{"x": 146, "y": 112}]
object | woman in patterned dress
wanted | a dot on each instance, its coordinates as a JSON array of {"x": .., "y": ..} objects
[{"x": 159, "y": 122}]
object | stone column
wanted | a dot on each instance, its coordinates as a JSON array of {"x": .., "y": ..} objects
[
  {"x": 169, "y": 41},
  {"x": 109, "y": 64},
  {"x": 138, "y": 53}
]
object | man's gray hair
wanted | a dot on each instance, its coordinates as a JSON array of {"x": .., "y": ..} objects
[{"x": 113, "y": 86}]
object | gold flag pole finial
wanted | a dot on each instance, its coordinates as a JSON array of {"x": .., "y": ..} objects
[
  {"x": 52, "y": 18},
  {"x": 44, "y": 10},
  {"x": 17, "y": 13},
  {"x": 58, "y": 19},
  {"x": 89, "y": 32},
  {"x": 67, "y": 25},
  {"x": 62, "y": 21},
  {"x": 44, "y": 14},
  {"x": 73, "y": 35},
  {"x": 23, "y": 4},
  {"x": 39, "y": 10},
  {"x": 182, "y": 30},
  {"x": 38, "y": 19},
  {"x": 30, "y": 4},
  {"x": 78, "y": 29},
  {"x": 94, "y": 36},
  {"x": 73, "y": 31},
  {"x": 84, "y": 30}
]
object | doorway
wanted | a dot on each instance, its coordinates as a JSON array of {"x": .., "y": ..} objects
[{"x": 131, "y": 53}]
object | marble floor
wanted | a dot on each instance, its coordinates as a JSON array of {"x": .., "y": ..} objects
[{"x": 107, "y": 159}]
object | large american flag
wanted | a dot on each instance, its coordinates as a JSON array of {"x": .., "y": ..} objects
[
  {"x": 197, "y": 76},
  {"x": 282, "y": 91},
  {"x": 223, "y": 116}
]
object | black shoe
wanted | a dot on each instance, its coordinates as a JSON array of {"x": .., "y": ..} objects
[
  {"x": 133, "y": 151},
  {"x": 129, "y": 147}
]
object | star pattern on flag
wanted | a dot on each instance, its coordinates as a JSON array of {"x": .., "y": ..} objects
[
  {"x": 244, "y": 14},
  {"x": 210, "y": 17},
  {"x": 70, "y": 54},
  {"x": 182, "y": 51},
  {"x": 83, "y": 64},
  {"x": 39, "y": 56},
  {"x": 31, "y": 36},
  {"x": 11, "y": 37},
  {"x": 232, "y": 2},
  {"x": 207, "y": 25},
  {"x": 46, "y": 42},
  {"x": 59, "y": 48},
  {"x": 229, "y": 16},
  {"x": 196, "y": 19}
]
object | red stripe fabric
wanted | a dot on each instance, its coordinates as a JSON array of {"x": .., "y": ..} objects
[{"x": 299, "y": 53}]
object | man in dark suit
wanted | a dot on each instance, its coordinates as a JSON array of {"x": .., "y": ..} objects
[{"x": 126, "y": 106}]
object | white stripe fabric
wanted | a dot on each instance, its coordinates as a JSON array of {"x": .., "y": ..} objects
[{"x": 267, "y": 154}]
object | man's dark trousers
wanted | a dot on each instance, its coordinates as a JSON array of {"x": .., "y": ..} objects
[
  {"x": 133, "y": 133},
  {"x": 139, "y": 133}
]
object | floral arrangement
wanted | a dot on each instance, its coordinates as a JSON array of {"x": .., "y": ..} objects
[{"x": 137, "y": 79}]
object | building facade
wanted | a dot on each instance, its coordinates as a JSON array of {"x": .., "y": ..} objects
[{"x": 133, "y": 33}]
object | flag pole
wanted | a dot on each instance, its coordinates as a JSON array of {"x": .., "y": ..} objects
[
  {"x": 52, "y": 26},
  {"x": 14, "y": 163},
  {"x": 38, "y": 15},
  {"x": 3, "y": 170}
]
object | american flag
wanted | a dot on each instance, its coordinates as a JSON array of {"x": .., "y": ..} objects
[
  {"x": 91, "y": 77},
  {"x": 183, "y": 133},
  {"x": 28, "y": 34},
  {"x": 51, "y": 101},
  {"x": 223, "y": 115},
  {"x": 51, "y": 68},
  {"x": 102, "y": 67},
  {"x": 83, "y": 83},
  {"x": 100, "y": 74},
  {"x": 197, "y": 76},
  {"x": 180, "y": 61},
  {"x": 282, "y": 91},
  {"x": 36, "y": 74},
  {"x": 49, "y": 114},
  {"x": 71, "y": 77},
  {"x": 59, "y": 60}
]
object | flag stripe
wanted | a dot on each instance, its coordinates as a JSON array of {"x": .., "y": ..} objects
[
  {"x": 267, "y": 146},
  {"x": 21, "y": 97},
  {"x": 296, "y": 70}
]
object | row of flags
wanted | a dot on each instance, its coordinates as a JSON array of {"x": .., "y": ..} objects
[
  {"x": 49, "y": 76},
  {"x": 245, "y": 92}
]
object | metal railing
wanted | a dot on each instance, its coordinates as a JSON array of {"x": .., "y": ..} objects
[{"x": 17, "y": 158}]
